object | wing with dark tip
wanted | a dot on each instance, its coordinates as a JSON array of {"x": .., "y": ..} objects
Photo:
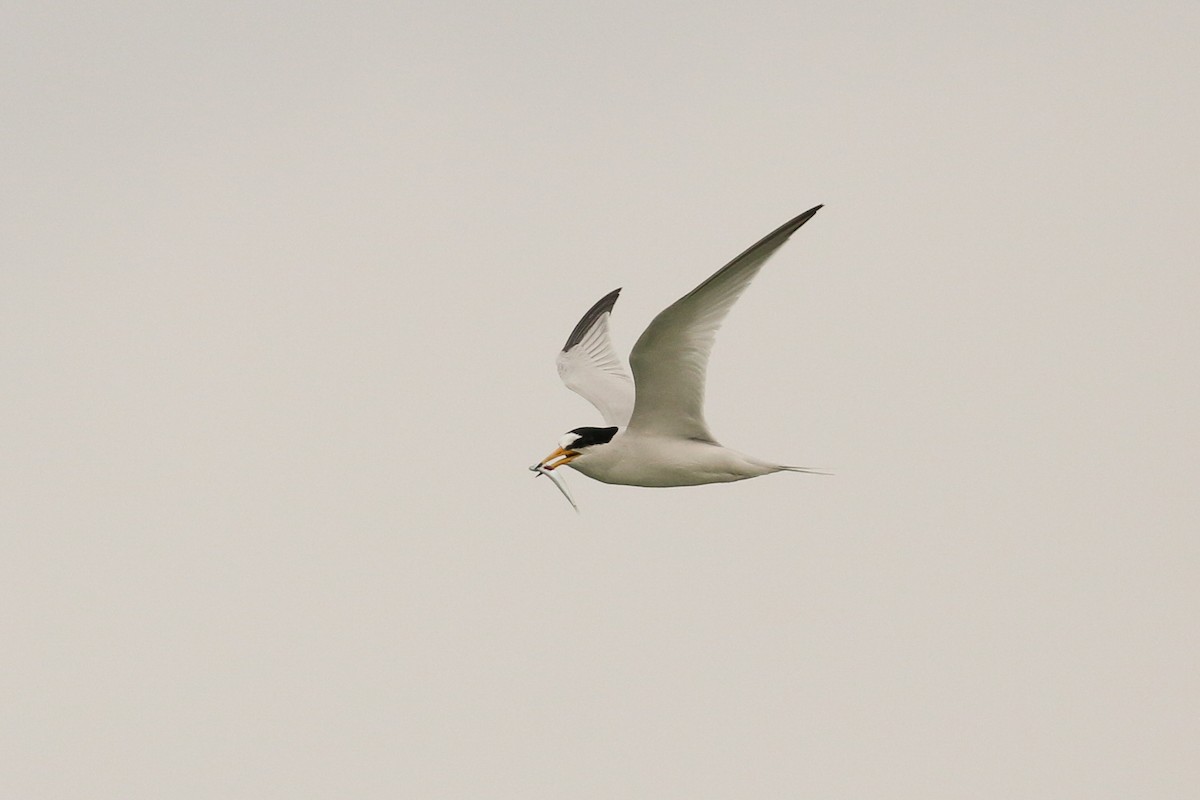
[
  {"x": 590, "y": 367},
  {"x": 670, "y": 358}
]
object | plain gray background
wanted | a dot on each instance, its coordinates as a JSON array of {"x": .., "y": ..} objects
[{"x": 282, "y": 287}]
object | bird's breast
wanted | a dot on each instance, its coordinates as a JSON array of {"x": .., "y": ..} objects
[{"x": 633, "y": 460}]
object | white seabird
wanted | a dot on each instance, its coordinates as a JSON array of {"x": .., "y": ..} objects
[{"x": 656, "y": 434}]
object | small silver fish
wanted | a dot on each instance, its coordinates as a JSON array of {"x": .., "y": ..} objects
[{"x": 557, "y": 481}]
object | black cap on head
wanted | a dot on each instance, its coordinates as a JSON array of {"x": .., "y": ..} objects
[{"x": 586, "y": 437}]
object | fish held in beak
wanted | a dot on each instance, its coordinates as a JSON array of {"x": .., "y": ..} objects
[
  {"x": 539, "y": 470},
  {"x": 557, "y": 459}
]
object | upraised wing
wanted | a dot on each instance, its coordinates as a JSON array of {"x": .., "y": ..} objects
[
  {"x": 670, "y": 358},
  {"x": 590, "y": 367}
]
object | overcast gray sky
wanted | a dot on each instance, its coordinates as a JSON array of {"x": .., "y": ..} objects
[{"x": 282, "y": 287}]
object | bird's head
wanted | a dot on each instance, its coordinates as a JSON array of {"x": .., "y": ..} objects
[{"x": 577, "y": 443}]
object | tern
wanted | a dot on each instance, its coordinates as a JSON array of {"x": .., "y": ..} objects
[{"x": 655, "y": 433}]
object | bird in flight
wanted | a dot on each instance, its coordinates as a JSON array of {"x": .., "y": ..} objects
[{"x": 655, "y": 432}]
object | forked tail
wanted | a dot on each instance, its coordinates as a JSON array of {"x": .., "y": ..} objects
[{"x": 809, "y": 470}]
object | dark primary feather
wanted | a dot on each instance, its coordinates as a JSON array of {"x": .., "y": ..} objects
[
  {"x": 766, "y": 246},
  {"x": 603, "y": 305}
]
